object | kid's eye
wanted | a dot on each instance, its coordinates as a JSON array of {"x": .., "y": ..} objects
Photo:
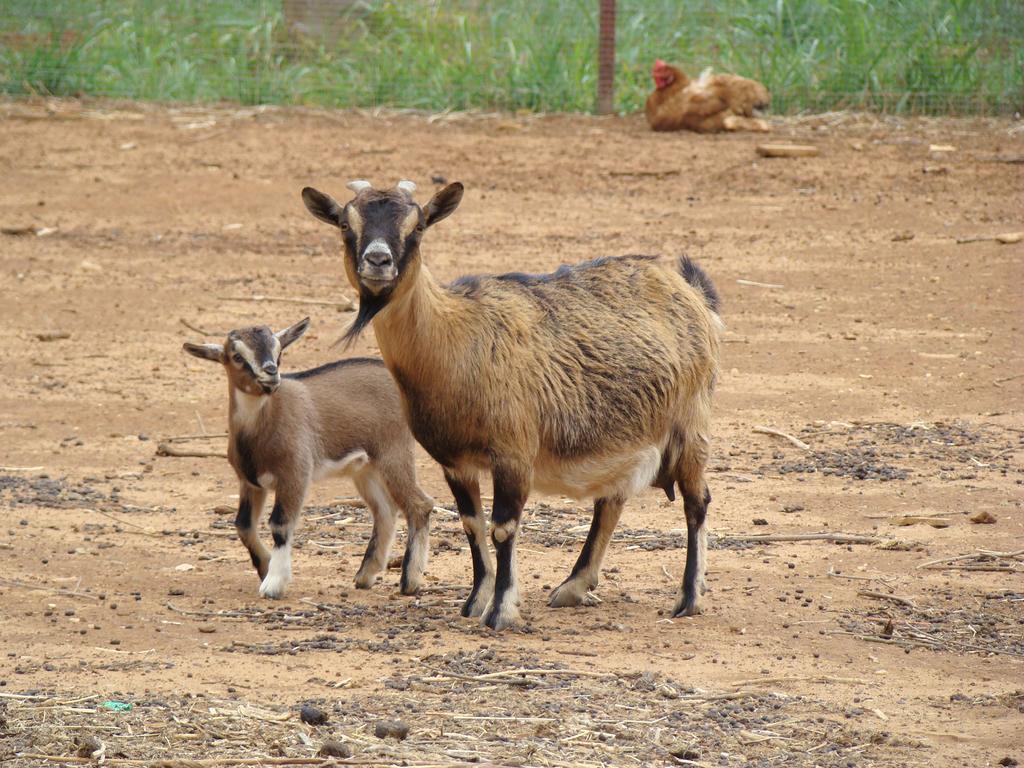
[{"x": 237, "y": 358}]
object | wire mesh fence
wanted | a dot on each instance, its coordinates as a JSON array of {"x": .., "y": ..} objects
[{"x": 917, "y": 56}]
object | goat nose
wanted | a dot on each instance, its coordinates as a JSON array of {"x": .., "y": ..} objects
[
  {"x": 378, "y": 258},
  {"x": 270, "y": 369}
]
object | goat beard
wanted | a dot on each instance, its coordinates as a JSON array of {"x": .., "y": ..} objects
[{"x": 370, "y": 304}]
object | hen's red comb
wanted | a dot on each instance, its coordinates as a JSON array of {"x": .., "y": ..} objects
[{"x": 658, "y": 64}]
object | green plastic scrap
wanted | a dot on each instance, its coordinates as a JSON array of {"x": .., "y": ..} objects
[{"x": 117, "y": 706}]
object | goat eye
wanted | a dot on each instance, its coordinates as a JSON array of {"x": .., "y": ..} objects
[
  {"x": 237, "y": 358},
  {"x": 343, "y": 226},
  {"x": 419, "y": 227}
]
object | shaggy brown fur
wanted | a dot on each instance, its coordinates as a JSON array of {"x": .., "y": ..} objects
[
  {"x": 594, "y": 381},
  {"x": 710, "y": 104},
  {"x": 344, "y": 418}
]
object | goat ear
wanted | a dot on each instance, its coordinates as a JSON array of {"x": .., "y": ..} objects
[
  {"x": 293, "y": 333},
  {"x": 444, "y": 203},
  {"x": 324, "y": 207},
  {"x": 214, "y": 352}
]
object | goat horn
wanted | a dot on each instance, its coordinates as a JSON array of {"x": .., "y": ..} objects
[
  {"x": 359, "y": 185},
  {"x": 407, "y": 186}
]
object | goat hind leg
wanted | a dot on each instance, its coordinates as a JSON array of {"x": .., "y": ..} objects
[
  {"x": 696, "y": 498},
  {"x": 382, "y": 508},
  {"x": 585, "y": 574},
  {"x": 417, "y": 507}
]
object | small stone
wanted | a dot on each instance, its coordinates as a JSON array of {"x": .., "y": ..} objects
[
  {"x": 983, "y": 518},
  {"x": 312, "y": 715},
  {"x": 335, "y": 749},
  {"x": 176, "y": 592},
  {"x": 1009, "y": 762},
  {"x": 760, "y": 521},
  {"x": 394, "y": 728},
  {"x": 207, "y": 629}
]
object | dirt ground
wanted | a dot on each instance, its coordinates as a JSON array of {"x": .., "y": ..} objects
[{"x": 856, "y": 323}]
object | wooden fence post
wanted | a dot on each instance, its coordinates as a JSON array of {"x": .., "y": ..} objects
[{"x": 606, "y": 59}]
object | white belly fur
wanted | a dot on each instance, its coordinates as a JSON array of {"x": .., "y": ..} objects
[{"x": 621, "y": 474}]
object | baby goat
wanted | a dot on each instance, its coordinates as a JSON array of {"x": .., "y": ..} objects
[
  {"x": 594, "y": 381},
  {"x": 286, "y": 432}
]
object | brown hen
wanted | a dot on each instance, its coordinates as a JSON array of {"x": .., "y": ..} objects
[{"x": 709, "y": 104}]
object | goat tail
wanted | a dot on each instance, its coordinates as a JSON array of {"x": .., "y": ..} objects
[{"x": 699, "y": 279}]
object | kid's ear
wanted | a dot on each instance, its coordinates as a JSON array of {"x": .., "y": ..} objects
[
  {"x": 214, "y": 352},
  {"x": 293, "y": 333},
  {"x": 444, "y": 203}
]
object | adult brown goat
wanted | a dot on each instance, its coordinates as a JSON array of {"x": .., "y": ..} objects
[{"x": 594, "y": 381}]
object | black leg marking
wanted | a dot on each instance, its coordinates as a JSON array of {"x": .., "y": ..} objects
[
  {"x": 403, "y": 583},
  {"x": 245, "y": 526},
  {"x": 244, "y": 517},
  {"x": 596, "y": 524},
  {"x": 246, "y": 460},
  {"x": 468, "y": 510},
  {"x": 696, "y": 511},
  {"x": 371, "y": 553},
  {"x": 509, "y": 498},
  {"x": 277, "y": 515}
]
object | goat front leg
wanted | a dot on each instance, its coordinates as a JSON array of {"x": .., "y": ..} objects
[
  {"x": 283, "y": 519},
  {"x": 251, "y": 501},
  {"x": 466, "y": 489},
  {"x": 510, "y": 491},
  {"x": 575, "y": 590},
  {"x": 382, "y": 507}
]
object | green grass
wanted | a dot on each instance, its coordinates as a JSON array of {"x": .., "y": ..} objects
[{"x": 922, "y": 56}]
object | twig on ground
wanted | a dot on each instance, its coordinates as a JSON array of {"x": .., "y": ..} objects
[
  {"x": 652, "y": 174},
  {"x": 142, "y": 529},
  {"x": 945, "y": 562},
  {"x": 43, "y": 587},
  {"x": 345, "y": 305},
  {"x": 209, "y": 614},
  {"x": 837, "y": 538},
  {"x": 756, "y": 284},
  {"x": 189, "y": 438},
  {"x": 166, "y": 449},
  {"x": 1004, "y": 379},
  {"x": 795, "y": 441},
  {"x": 882, "y": 596},
  {"x": 799, "y": 679},
  {"x": 240, "y": 761},
  {"x": 200, "y": 331},
  {"x": 21, "y": 469}
]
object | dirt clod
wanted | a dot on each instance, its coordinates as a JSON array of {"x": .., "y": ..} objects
[
  {"x": 395, "y": 729},
  {"x": 87, "y": 745},
  {"x": 312, "y": 715},
  {"x": 335, "y": 749}
]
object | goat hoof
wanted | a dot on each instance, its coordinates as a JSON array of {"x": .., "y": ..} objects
[
  {"x": 473, "y": 607},
  {"x": 365, "y": 580},
  {"x": 410, "y": 589},
  {"x": 687, "y": 609},
  {"x": 499, "y": 620},
  {"x": 272, "y": 592},
  {"x": 571, "y": 593}
]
